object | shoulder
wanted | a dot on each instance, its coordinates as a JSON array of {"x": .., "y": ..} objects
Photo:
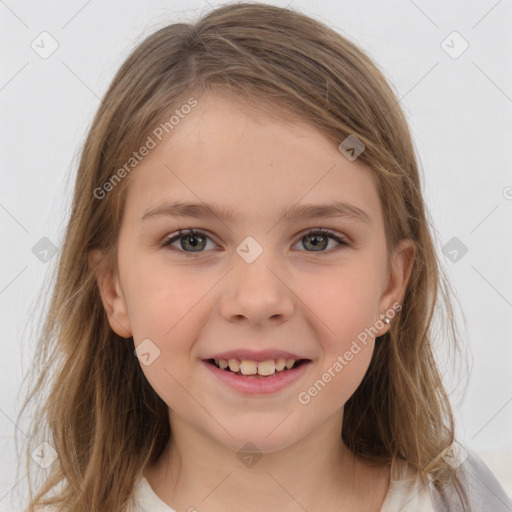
[
  {"x": 143, "y": 499},
  {"x": 483, "y": 489},
  {"x": 146, "y": 500}
]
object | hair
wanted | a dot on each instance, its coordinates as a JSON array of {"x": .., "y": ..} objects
[{"x": 95, "y": 406}]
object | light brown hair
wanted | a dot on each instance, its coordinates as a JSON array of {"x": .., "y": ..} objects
[{"x": 95, "y": 406}]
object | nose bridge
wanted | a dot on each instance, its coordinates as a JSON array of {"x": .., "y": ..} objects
[
  {"x": 256, "y": 290},
  {"x": 254, "y": 262},
  {"x": 250, "y": 249}
]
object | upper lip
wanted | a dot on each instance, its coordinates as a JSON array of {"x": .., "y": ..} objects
[{"x": 262, "y": 355}]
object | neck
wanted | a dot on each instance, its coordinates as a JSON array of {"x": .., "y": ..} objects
[{"x": 197, "y": 472}]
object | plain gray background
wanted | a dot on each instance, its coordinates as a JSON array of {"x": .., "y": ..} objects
[{"x": 459, "y": 107}]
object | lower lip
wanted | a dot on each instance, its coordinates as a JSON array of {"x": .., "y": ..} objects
[{"x": 252, "y": 385}]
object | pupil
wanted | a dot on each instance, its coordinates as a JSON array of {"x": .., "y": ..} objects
[
  {"x": 314, "y": 241},
  {"x": 192, "y": 244}
]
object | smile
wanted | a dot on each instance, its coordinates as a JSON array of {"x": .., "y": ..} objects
[
  {"x": 261, "y": 368},
  {"x": 249, "y": 381}
]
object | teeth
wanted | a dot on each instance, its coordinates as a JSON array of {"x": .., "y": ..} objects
[
  {"x": 263, "y": 368},
  {"x": 234, "y": 365},
  {"x": 266, "y": 367},
  {"x": 248, "y": 367},
  {"x": 280, "y": 364}
]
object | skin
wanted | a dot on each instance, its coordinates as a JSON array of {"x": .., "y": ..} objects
[{"x": 312, "y": 303}]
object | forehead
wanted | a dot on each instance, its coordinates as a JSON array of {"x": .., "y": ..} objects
[{"x": 253, "y": 162}]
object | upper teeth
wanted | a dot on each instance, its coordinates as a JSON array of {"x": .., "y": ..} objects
[{"x": 247, "y": 367}]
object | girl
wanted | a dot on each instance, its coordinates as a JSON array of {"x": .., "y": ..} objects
[{"x": 242, "y": 313}]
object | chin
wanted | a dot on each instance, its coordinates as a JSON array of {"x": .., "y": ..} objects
[{"x": 259, "y": 440}]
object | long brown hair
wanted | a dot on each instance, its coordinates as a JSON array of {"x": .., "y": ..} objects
[{"x": 95, "y": 406}]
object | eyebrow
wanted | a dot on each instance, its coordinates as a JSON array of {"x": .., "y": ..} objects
[{"x": 308, "y": 211}]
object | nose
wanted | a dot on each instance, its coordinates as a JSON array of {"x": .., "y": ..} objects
[{"x": 257, "y": 293}]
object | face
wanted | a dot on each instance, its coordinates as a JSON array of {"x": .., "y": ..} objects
[{"x": 254, "y": 280}]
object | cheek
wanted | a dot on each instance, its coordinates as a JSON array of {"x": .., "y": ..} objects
[
  {"x": 161, "y": 298},
  {"x": 160, "y": 306},
  {"x": 342, "y": 300},
  {"x": 343, "y": 305},
  {"x": 337, "y": 380}
]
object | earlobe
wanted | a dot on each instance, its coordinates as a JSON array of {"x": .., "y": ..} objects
[{"x": 111, "y": 294}]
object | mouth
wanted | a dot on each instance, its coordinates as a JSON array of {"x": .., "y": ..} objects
[
  {"x": 257, "y": 369},
  {"x": 257, "y": 378}
]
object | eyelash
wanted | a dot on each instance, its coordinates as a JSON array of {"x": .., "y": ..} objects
[{"x": 315, "y": 231}]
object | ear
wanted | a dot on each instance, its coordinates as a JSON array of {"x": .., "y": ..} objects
[
  {"x": 399, "y": 273},
  {"x": 111, "y": 294}
]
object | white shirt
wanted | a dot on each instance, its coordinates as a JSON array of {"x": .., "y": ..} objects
[{"x": 406, "y": 493}]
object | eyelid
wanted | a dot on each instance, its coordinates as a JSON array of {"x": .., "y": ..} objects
[
  {"x": 342, "y": 239},
  {"x": 330, "y": 232},
  {"x": 176, "y": 235}
]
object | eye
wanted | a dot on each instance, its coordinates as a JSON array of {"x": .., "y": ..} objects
[
  {"x": 318, "y": 239},
  {"x": 189, "y": 239},
  {"x": 192, "y": 240}
]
